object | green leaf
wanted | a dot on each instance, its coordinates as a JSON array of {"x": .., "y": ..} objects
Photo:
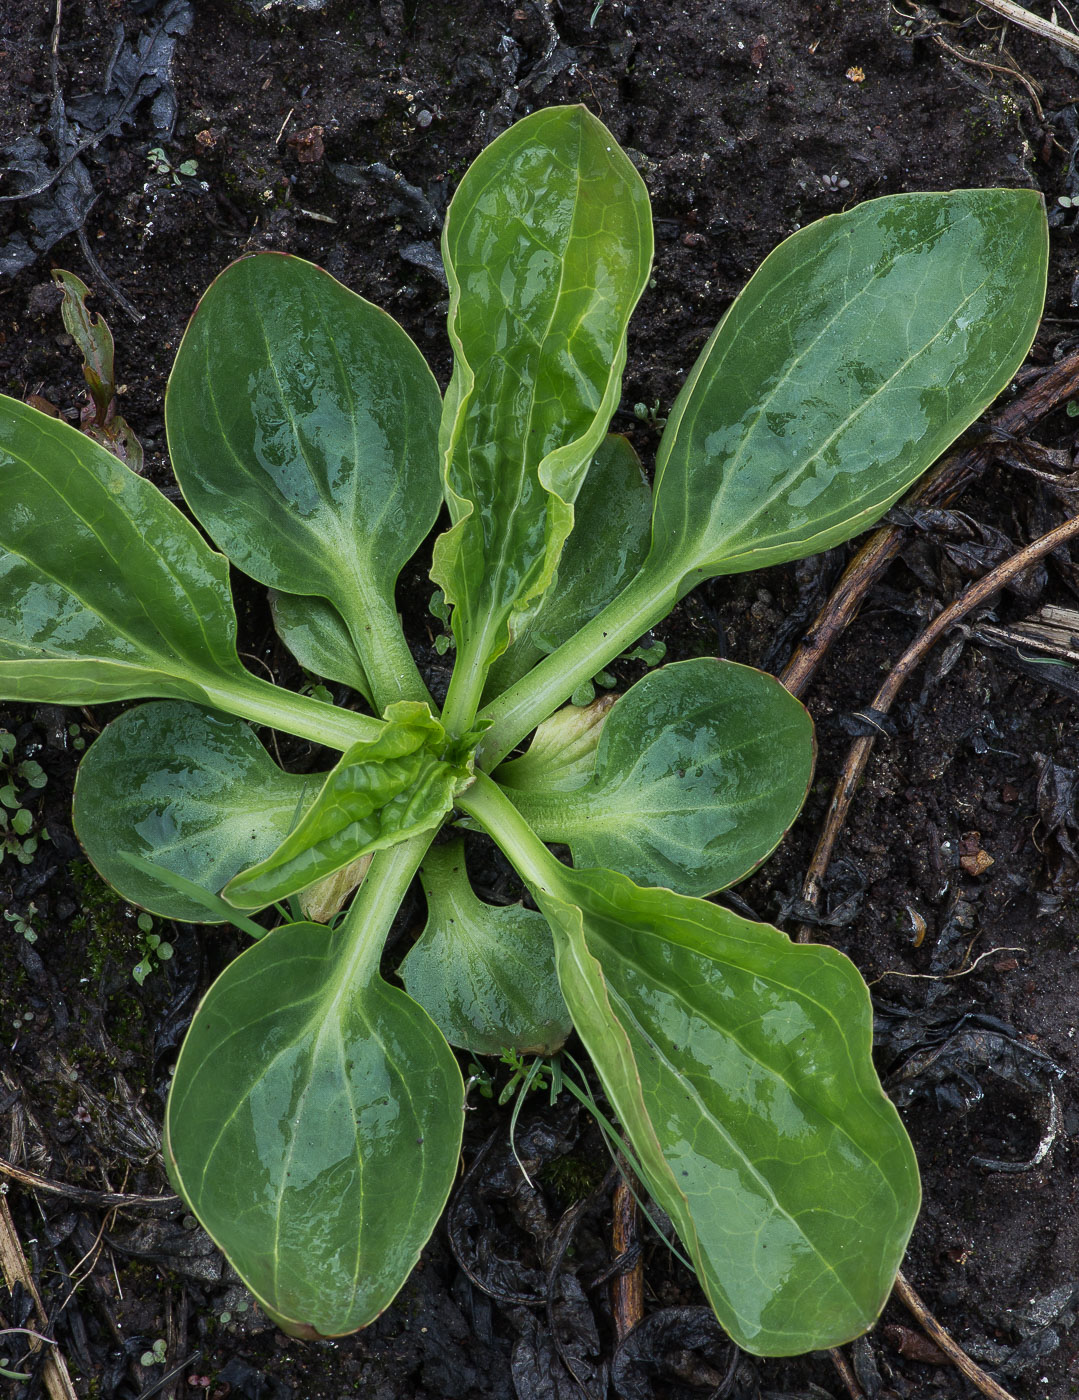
[
  {"x": 699, "y": 772},
  {"x": 740, "y": 1066},
  {"x": 106, "y": 591},
  {"x": 562, "y": 755},
  {"x": 314, "y": 1127},
  {"x": 316, "y": 634},
  {"x": 484, "y": 974},
  {"x": 303, "y": 424},
  {"x": 381, "y": 793},
  {"x": 612, "y": 528},
  {"x": 859, "y": 350},
  {"x": 189, "y": 790},
  {"x": 547, "y": 247}
]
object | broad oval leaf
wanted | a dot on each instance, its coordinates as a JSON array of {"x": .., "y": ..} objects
[
  {"x": 189, "y": 790},
  {"x": 612, "y": 529},
  {"x": 303, "y": 427},
  {"x": 381, "y": 793},
  {"x": 700, "y": 769},
  {"x": 547, "y": 247},
  {"x": 859, "y": 350},
  {"x": 485, "y": 974},
  {"x": 106, "y": 591},
  {"x": 316, "y": 634},
  {"x": 740, "y": 1066},
  {"x": 314, "y": 1128}
]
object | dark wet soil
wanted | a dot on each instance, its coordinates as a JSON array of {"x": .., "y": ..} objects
[{"x": 748, "y": 118}]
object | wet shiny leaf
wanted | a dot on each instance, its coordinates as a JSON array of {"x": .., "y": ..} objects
[
  {"x": 859, "y": 350},
  {"x": 485, "y": 974},
  {"x": 316, "y": 634},
  {"x": 302, "y": 424},
  {"x": 184, "y": 788},
  {"x": 699, "y": 771},
  {"x": 739, "y": 1065},
  {"x": 106, "y": 591},
  {"x": 380, "y": 793},
  {"x": 547, "y": 247},
  {"x": 612, "y": 529},
  {"x": 314, "y": 1127}
]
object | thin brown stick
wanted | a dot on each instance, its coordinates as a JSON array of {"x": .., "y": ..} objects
[
  {"x": 846, "y": 1374},
  {"x": 948, "y": 480},
  {"x": 627, "y": 1287},
  {"x": 1042, "y": 27},
  {"x": 859, "y": 752},
  {"x": 104, "y": 1199},
  {"x": 951, "y": 1348}
]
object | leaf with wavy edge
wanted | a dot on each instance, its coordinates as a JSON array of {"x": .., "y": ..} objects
[
  {"x": 547, "y": 246},
  {"x": 379, "y": 795},
  {"x": 314, "y": 1127},
  {"x": 740, "y": 1066}
]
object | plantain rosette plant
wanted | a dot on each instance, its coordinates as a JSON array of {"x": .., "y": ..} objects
[{"x": 315, "y": 1118}]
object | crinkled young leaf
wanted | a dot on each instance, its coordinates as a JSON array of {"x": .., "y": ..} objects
[
  {"x": 859, "y": 350},
  {"x": 381, "y": 793},
  {"x": 314, "y": 1127},
  {"x": 189, "y": 790},
  {"x": 547, "y": 247},
  {"x": 303, "y": 427},
  {"x": 562, "y": 755},
  {"x": 485, "y": 974},
  {"x": 700, "y": 769},
  {"x": 612, "y": 529},
  {"x": 316, "y": 634}
]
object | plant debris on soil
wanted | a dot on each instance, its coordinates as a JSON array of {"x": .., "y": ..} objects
[{"x": 144, "y": 145}]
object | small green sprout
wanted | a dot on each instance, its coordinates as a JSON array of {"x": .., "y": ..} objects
[
  {"x": 17, "y": 836},
  {"x": 155, "y": 1356},
  {"x": 154, "y": 950},
  {"x": 161, "y": 165}
]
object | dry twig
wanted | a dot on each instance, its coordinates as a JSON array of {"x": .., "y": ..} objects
[
  {"x": 1044, "y": 28},
  {"x": 105, "y": 1199},
  {"x": 16, "y": 1270},
  {"x": 947, "y": 481},
  {"x": 858, "y": 754},
  {"x": 929, "y": 1324},
  {"x": 627, "y": 1287}
]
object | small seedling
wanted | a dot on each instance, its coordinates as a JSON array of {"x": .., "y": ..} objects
[
  {"x": 23, "y": 923},
  {"x": 156, "y": 1356},
  {"x": 314, "y": 1123},
  {"x": 154, "y": 950},
  {"x": 649, "y": 415},
  {"x": 17, "y": 836},
  {"x": 160, "y": 164}
]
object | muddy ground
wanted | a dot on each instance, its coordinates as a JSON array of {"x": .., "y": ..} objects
[{"x": 339, "y": 135}]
